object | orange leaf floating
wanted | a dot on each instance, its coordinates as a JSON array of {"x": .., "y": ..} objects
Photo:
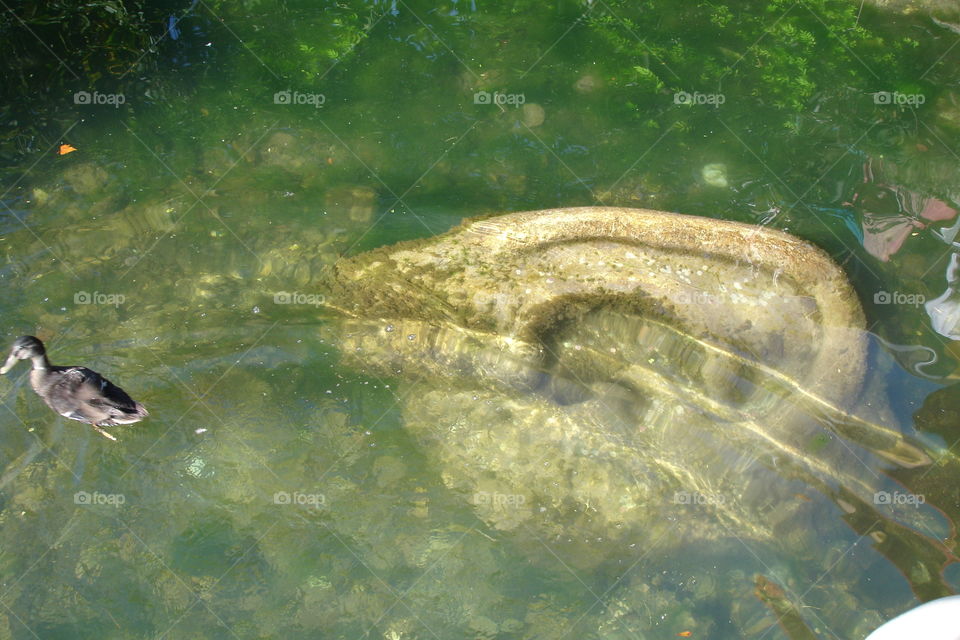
[
  {"x": 65, "y": 149},
  {"x": 685, "y": 634}
]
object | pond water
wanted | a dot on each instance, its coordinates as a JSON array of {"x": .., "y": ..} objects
[{"x": 273, "y": 490}]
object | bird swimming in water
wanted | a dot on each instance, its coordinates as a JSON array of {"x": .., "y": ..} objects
[{"x": 75, "y": 392}]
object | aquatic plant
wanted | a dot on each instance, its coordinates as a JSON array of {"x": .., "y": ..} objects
[{"x": 772, "y": 53}]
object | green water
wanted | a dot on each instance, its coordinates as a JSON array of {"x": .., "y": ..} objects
[{"x": 274, "y": 493}]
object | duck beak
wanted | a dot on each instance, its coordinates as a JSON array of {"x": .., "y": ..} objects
[{"x": 12, "y": 360}]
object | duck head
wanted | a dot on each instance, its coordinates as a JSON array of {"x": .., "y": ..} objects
[{"x": 26, "y": 347}]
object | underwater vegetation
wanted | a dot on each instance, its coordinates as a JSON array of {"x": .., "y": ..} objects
[{"x": 775, "y": 54}]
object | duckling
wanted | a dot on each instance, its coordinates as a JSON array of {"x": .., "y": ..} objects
[{"x": 75, "y": 392}]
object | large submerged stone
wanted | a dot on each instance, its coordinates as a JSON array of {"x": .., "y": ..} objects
[{"x": 605, "y": 372}]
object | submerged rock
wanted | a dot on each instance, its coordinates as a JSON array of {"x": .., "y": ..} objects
[
  {"x": 599, "y": 375},
  {"x": 715, "y": 175},
  {"x": 86, "y": 179},
  {"x": 355, "y": 203},
  {"x": 533, "y": 115},
  {"x": 588, "y": 83}
]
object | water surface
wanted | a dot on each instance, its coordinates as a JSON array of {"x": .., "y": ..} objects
[{"x": 274, "y": 491}]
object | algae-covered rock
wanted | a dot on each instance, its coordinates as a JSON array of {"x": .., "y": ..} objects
[
  {"x": 614, "y": 317},
  {"x": 504, "y": 288},
  {"x": 86, "y": 179},
  {"x": 355, "y": 203},
  {"x": 602, "y": 376},
  {"x": 533, "y": 115}
]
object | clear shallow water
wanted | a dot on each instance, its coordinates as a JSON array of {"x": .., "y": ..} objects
[{"x": 272, "y": 490}]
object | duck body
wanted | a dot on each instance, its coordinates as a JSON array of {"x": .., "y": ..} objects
[{"x": 77, "y": 393}]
